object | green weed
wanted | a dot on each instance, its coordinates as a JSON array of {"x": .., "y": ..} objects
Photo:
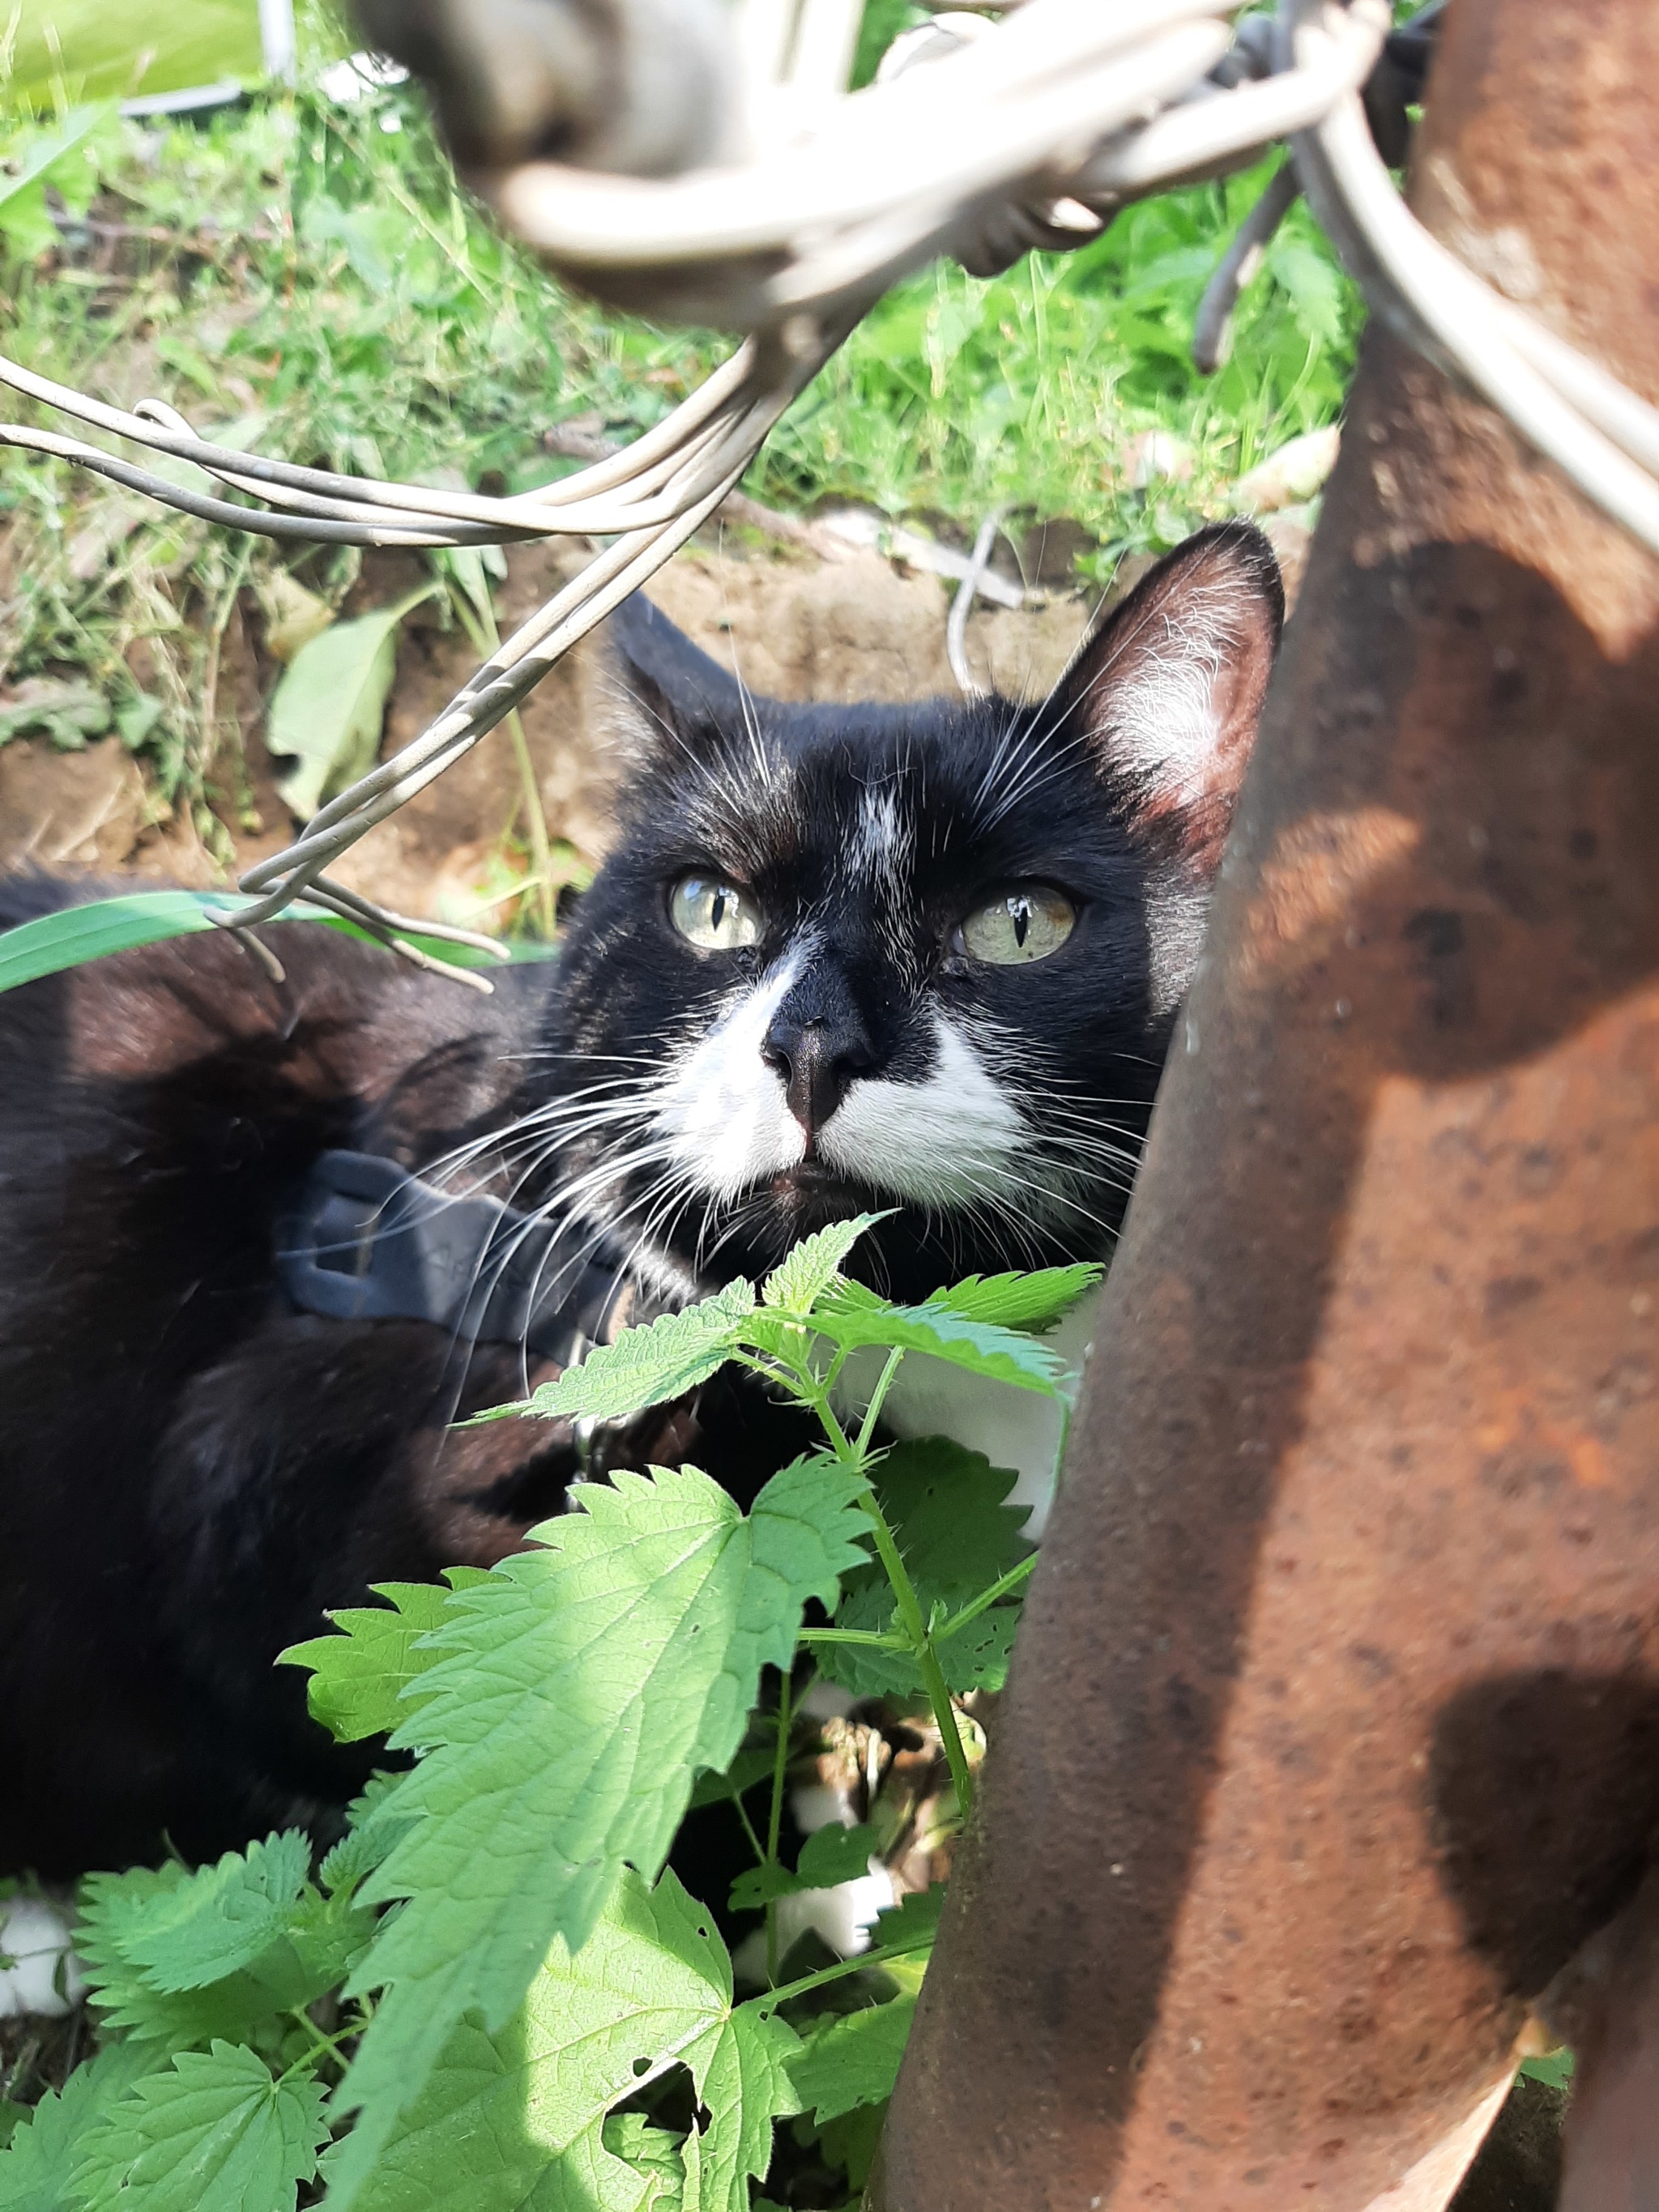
[{"x": 517, "y": 2021}]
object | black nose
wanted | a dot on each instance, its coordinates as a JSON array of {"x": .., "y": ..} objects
[{"x": 817, "y": 1050}]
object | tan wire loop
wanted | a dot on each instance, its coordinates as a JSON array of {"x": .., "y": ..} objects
[{"x": 1039, "y": 130}]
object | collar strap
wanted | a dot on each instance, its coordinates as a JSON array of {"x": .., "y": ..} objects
[{"x": 368, "y": 1242}]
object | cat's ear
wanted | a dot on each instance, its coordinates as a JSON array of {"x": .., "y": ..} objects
[
  {"x": 669, "y": 689},
  {"x": 1169, "y": 690}
]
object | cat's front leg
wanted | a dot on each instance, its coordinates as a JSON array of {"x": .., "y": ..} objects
[{"x": 318, "y": 1459}]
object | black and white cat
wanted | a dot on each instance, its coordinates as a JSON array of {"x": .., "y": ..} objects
[{"x": 919, "y": 958}]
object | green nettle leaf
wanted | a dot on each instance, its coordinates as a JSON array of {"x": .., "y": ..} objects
[
  {"x": 220, "y": 1918},
  {"x": 359, "y": 1677},
  {"x": 122, "y": 1994},
  {"x": 213, "y": 2130},
  {"x": 1033, "y": 1301},
  {"x": 645, "y": 1366},
  {"x": 814, "y": 1264},
  {"x": 264, "y": 1945},
  {"x": 742, "y": 2073},
  {"x": 946, "y": 1506},
  {"x": 518, "y": 2118},
  {"x": 44, "y": 2145},
  {"x": 371, "y": 1831},
  {"x": 579, "y": 1689},
  {"x": 829, "y": 1854},
  {"x": 975, "y": 1658},
  {"x": 327, "y": 710},
  {"x": 854, "y": 2060},
  {"x": 652, "y": 2152},
  {"x": 851, "y": 1317}
]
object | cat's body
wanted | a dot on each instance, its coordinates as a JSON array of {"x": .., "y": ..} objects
[{"x": 919, "y": 960}]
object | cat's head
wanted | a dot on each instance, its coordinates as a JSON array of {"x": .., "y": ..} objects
[{"x": 920, "y": 957}]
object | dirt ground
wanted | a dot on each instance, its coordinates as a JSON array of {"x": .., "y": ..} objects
[{"x": 791, "y": 625}]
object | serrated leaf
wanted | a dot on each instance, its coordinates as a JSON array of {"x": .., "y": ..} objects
[
  {"x": 645, "y": 1366},
  {"x": 975, "y": 1658},
  {"x": 742, "y": 2073},
  {"x": 308, "y": 1950},
  {"x": 829, "y": 1854},
  {"x": 579, "y": 1689},
  {"x": 212, "y": 2131},
  {"x": 1034, "y": 1301},
  {"x": 40, "y": 2156},
  {"x": 814, "y": 1264},
  {"x": 371, "y": 1831},
  {"x": 360, "y": 1674},
  {"x": 1314, "y": 285},
  {"x": 947, "y": 1507},
  {"x": 851, "y": 1317},
  {"x": 219, "y": 1919},
  {"x": 854, "y": 2060},
  {"x": 122, "y": 1993},
  {"x": 650, "y": 2151},
  {"x": 518, "y": 2118}
]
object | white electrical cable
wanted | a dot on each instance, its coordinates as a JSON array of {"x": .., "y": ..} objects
[
  {"x": 1601, "y": 436},
  {"x": 1044, "y": 124}
]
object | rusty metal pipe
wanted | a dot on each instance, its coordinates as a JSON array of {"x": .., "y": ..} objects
[{"x": 1333, "y": 1729}]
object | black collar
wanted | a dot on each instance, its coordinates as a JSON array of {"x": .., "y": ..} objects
[{"x": 365, "y": 1241}]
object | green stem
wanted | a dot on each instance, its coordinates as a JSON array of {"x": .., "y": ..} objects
[
  {"x": 926, "y": 1659},
  {"x": 872, "y": 1411},
  {"x": 983, "y": 1603},
  {"x": 860, "y": 1965},
  {"x": 322, "y": 2048},
  {"x": 755, "y": 1843},
  {"x": 774, "y": 1824},
  {"x": 878, "y": 1639}
]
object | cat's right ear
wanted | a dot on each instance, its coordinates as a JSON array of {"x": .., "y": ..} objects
[
  {"x": 670, "y": 688},
  {"x": 1168, "y": 693}
]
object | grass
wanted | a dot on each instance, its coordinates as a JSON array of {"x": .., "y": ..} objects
[
  {"x": 90, "y": 43},
  {"x": 305, "y": 276}
]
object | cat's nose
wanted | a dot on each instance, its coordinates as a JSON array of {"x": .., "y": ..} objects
[{"x": 818, "y": 1059}]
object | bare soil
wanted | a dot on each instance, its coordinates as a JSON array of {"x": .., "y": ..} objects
[{"x": 789, "y": 624}]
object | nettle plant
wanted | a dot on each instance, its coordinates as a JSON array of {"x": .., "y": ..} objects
[{"x": 489, "y": 1993}]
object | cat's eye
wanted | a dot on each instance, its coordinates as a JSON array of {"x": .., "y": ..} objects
[
  {"x": 713, "y": 915},
  {"x": 1026, "y": 922}
]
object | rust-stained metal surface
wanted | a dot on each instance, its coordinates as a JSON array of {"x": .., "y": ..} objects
[{"x": 1334, "y": 1724}]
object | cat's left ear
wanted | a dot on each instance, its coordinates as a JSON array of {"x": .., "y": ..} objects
[{"x": 1169, "y": 691}]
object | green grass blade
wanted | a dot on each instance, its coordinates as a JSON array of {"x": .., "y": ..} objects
[{"x": 76, "y": 934}]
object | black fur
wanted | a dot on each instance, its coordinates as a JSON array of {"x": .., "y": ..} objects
[{"x": 190, "y": 1472}]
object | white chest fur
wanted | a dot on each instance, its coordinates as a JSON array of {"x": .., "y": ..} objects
[{"x": 1015, "y": 1429}]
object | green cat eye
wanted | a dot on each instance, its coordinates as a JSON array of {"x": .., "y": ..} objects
[
  {"x": 713, "y": 915},
  {"x": 1028, "y": 922}
]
